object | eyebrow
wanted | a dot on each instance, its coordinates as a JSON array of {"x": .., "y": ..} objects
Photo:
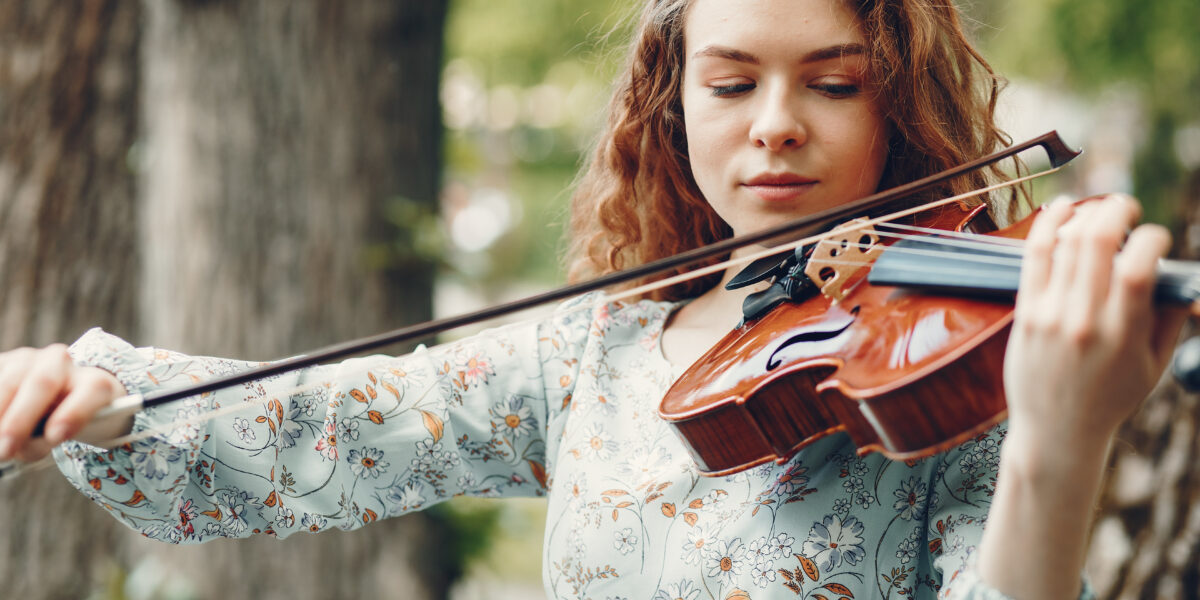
[{"x": 820, "y": 54}]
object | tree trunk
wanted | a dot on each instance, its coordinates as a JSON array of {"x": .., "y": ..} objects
[
  {"x": 68, "y": 117},
  {"x": 245, "y": 197},
  {"x": 285, "y": 143},
  {"x": 1147, "y": 539}
]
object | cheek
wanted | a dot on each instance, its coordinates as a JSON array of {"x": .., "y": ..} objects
[{"x": 869, "y": 150}]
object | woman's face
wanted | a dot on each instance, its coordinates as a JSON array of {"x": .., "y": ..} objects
[{"x": 779, "y": 113}]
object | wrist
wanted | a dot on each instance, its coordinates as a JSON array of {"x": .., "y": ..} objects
[{"x": 1041, "y": 455}]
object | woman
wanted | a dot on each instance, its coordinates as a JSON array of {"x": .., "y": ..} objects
[{"x": 735, "y": 115}]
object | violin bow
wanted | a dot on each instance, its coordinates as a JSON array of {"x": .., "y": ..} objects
[{"x": 1055, "y": 148}]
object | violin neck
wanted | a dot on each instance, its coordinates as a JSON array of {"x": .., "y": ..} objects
[{"x": 975, "y": 271}]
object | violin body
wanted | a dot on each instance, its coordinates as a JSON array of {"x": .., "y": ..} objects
[{"x": 905, "y": 373}]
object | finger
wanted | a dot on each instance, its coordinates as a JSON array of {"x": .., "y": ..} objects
[
  {"x": 1064, "y": 260},
  {"x": 93, "y": 392},
  {"x": 1038, "y": 255},
  {"x": 12, "y": 371},
  {"x": 35, "y": 449},
  {"x": 40, "y": 388},
  {"x": 1101, "y": 228},
  {"x": 1134, "y": 272}
]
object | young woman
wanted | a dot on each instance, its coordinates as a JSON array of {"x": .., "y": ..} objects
[{"x": 733, "y": 115}]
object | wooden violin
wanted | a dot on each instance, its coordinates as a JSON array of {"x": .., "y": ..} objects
[{"x": 850, "y": 338}]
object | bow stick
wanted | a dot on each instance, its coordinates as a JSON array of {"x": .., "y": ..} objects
[{"x": 1055, "y": 148}]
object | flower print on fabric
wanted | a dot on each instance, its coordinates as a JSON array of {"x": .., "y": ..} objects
[
  {"x": 512, "y": 418},
  {"x": 911, "y": 499},
  {"x": 367, "y": 463},
  {"x": 625, "y": 541},
  {"x": 243, "y": 430},
  {"x": 327, "y": 444},
  {"x": 565, "y": 408},
  {"x": 683, "y": 589},
  {"x": 598, "y": 444},
  {"x": 833, "y": 541},
  {"x": 725, "y": 560},
  {"x": 153, "y": 461}
]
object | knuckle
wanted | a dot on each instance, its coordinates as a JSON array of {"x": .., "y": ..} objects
[
  {"x": 1039, "y": 246},
  {"x": 1105, "y": 239},
  {"x": 56, "y": 352},
  {"x": 1037, "y": 323},
  {"x": 1080, "y": 333},
  {"x": 100, "y": 381},
  {"x": 42, "y": 380},
  {"x": 16, "y": 356},
  {"x": 1133, "y": 281},
  {"x": 71, "y": 417}
]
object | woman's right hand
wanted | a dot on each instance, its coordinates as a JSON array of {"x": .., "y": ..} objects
[{"x": 37, "y": 383}]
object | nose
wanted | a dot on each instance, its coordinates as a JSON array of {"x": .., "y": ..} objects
[{"x": 776, "y": 125}]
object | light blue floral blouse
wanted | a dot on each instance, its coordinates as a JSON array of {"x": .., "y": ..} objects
[{"x": 564, "y": 409}]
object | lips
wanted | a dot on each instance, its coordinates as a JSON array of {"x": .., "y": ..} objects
[
  {"x": 778, "y": 179},
  {"x": 779, "y": 187}
]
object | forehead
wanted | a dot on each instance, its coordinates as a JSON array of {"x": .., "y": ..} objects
[{"x": 770, "y": 25}]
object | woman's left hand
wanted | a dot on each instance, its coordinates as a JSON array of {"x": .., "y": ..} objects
[
  {"x": 1086, "y": 347},
  {"x": 1087, "y": 343}
]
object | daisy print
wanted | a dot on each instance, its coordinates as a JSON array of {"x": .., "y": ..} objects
[
  {"x": 683, "y": 590},
  {"x": 368, "y": 463},
  {"x": 911, "y": 499},
  {"x": 513, "y": 417},
  {"x": 725, "y": 560},
  {"x": 693, "y": 549},
  {"x": 327, "y": 444},
  {"x": 598, "y": 444},
  {"x": 833, "y": 541},
  {"x": 474, "y": 368}
]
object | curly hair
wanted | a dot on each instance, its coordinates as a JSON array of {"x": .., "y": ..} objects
[{"x": 637, "y": 200}]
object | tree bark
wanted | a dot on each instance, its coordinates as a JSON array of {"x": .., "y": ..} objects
[
  {"x": 68, "y": 260},
  {"x": 284, "y": 142},
  {"x": 217, "y": 176}
]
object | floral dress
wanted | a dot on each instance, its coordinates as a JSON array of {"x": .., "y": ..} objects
[{"x": 567, "y": 409}]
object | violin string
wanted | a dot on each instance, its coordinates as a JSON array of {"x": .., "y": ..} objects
[
  {"x": 8, "y": 471},
  {"x": 945, "y": 233},
  {"x": 941, "y": 269},
  {"x": 981, "y": 245}
]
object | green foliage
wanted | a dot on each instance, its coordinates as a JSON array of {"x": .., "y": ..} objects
[
  {"x": 524, "y": 88},
  {"x": 1090, "y": 45},
  {"x": 470, "y": 528},
  {"x": 521, "y": 42}
]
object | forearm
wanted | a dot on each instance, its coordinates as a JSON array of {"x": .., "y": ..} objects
[{"x": 1035, "y": 541}]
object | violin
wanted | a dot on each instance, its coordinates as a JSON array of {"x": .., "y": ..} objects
[{"x": 858, "y": 334}]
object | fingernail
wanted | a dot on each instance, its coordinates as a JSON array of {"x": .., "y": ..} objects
[{"x": 6, "y": 447}]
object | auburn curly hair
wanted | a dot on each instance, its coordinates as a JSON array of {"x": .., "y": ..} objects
[{"x": 637, "y": 200}]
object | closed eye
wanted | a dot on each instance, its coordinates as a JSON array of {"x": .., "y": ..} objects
[
  {"x": 836, "y": 90},
  {"x": 722, "y": 91}
]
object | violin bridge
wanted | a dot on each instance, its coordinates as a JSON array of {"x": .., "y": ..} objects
[{"x": 846, "y": 251}]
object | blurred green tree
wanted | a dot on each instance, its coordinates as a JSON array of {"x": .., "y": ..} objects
[
  {"x": 523, "y": 92},
  {"x": 1087, "y": 46}
]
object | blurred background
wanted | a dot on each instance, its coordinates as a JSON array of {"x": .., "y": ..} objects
[{"x": 259, "y": 178}]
